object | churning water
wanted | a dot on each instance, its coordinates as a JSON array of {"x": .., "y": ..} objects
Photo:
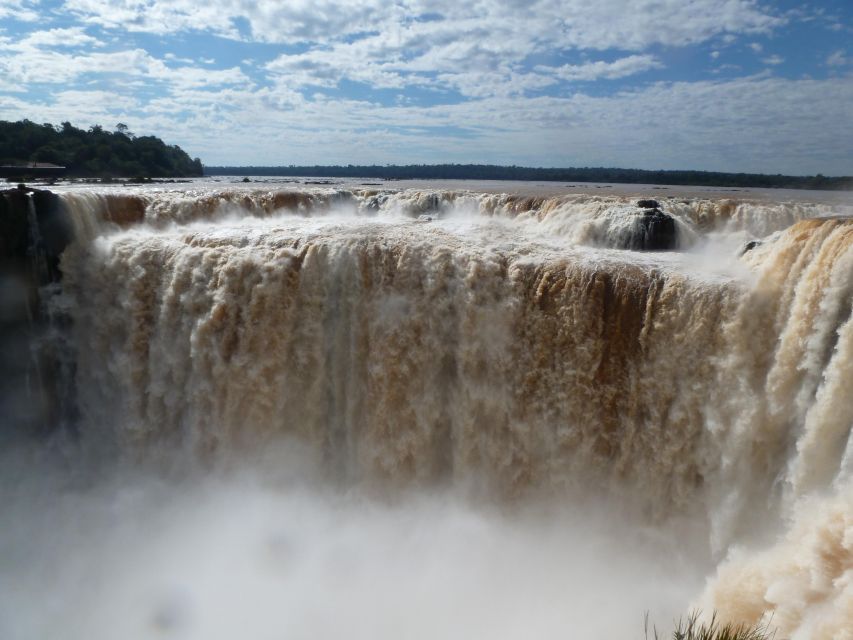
[{"x": 427, "y": 413}]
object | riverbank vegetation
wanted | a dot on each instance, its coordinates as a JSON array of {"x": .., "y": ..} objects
[
  {"x": 577, "y": 174},
  {"x": 93, "y": 152}
]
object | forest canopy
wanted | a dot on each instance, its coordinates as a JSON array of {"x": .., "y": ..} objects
[
  {"x": 94, "y": 151},
  {"x": 577, "y": 174}
]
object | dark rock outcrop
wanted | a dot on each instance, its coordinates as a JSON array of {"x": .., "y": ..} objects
[
  {"x": 654, "y": 231},
  {"x": 34, "y": 231},
  {"x": 648, "y": 204},
  {"x": 432, "y": 205},
  {"x": 21, "y": 244},
  {"x": 749, "y": 246}
]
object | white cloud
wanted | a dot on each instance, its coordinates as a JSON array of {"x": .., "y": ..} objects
[
  {"x": 18, "y": 10},
  {"x": 500, "y": 55},
  {"x": 326, "y": 68},
  {"x": 66, "y": 37},
  {"x": 25, "y": 63},
  {"x": 620, "y": 68},
  {"x": 463, "y": 55},
  {"x": 35, "y": 65},
  {"x": 773, "y": 60},
  {"x": 496, "y": 83},
  {"x": 563, "y": 23},
  {"x": 726, "y": 67},
  {"x": 476, "y": 49},
  {"x": 838, "y": 59},
  {"x": 735, "y": 125},
  {"x": 171, "y": 57}
]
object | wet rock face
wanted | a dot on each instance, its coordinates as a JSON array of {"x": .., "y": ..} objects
[
  {"x": 19, "y": 242},
  {"x": 13, "y": 227},
  {"x": 749, "y": 246},
  {"x": 656, "y": 231},
  {"x": 653, "y": 230},
  {"x": 648, "y": 204},
  {"x": 34, "y": 231}
]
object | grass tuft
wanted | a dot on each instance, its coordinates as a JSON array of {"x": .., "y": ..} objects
[{"x": 692, "y": 628}]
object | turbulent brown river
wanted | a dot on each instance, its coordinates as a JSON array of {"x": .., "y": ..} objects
[{"x": 394, "y": 411}]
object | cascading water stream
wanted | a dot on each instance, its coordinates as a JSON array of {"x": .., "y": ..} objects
[{"x": 35, "y": 253}]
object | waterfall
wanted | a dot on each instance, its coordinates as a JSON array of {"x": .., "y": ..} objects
[{"x": 419, "y": 339}]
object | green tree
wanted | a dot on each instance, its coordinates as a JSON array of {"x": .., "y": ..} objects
[{"x": 93, "y": 152}]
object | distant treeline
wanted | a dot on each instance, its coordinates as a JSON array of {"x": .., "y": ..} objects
[
  {"x": 93, "y": 152},
  {"x": 584, "y": 174}
]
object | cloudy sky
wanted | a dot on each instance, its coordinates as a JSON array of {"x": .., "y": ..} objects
[{"x": 735, "y": 85}]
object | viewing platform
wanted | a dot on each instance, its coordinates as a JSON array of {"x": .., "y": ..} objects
[{"x": 32, "y": 169}]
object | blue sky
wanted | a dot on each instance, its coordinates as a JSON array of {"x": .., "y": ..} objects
[{"x": 733, "y": 85}]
